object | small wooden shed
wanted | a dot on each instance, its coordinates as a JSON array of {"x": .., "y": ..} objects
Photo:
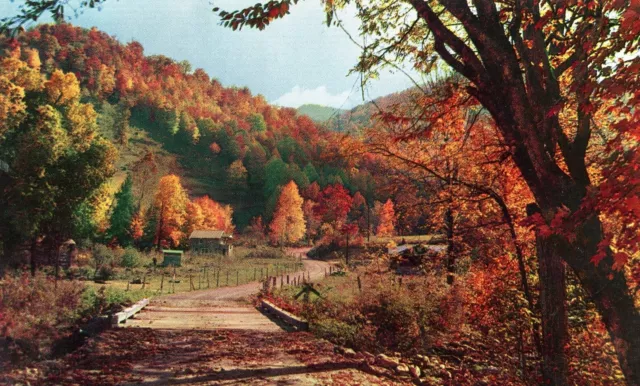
[
  {"x": 211, "y": 241},
  {"x": 172, "y": 257}
]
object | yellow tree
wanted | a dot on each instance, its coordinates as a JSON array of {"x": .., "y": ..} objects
[
  {"x": 171, "y": 208},
  {"x": 195, "y": 217},
  {"x": 214, "y": 215},
  {"x": 386, "y": 226},
  {"x": 288, "y": 224}
]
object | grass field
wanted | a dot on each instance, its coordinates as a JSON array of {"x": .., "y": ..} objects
[{"x": 199, "y": 272}]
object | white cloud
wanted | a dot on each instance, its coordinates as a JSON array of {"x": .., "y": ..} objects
[{"x": 319, "y": 96}]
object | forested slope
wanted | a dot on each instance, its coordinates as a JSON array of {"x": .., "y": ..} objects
[{"x": 229, "y": 144}]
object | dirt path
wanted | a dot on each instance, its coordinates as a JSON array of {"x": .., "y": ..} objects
[
  {"x": 226, "y": 307},
  {"x": 213, "y": 337},
  {"x": 143, "y": 356}
]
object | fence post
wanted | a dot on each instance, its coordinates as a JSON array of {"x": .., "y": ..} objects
[
  {"x": 191, "y": 283},
  {"x": 281, "y": 281},
  {"x": 173, "y": 287},
  {"x": 144, "y": 280},
  {"x": 275, "y": 282},
  {"x": 237, "y": 277},
  {"x": 208, "y": 282},
  {"x": 359, "y": 284},
  {"x": 287, "y": 279},
  {"x": 227, "y": 283},
  {"x": 161, "y": 282},
  {"x": 254, "y": 273},
  {"x": 218, "y": 278}
]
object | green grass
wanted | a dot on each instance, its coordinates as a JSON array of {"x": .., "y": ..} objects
[{"x": 197, "y": 272}]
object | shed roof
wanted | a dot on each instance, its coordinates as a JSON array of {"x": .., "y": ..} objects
[
  {"x": 200, "y": 234},
  {"x": 172, "y": 251}
]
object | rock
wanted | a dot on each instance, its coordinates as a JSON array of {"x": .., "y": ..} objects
[
  {"x": 426, "y": 361},
  {"x": 402, "y": 368},
  {"x": 388, "y": 362},
  {"x": 415, "y": 371},
  {"x": 349, "y": 353},
  {"x": 344, "y": 351},
  {"x": 492, "y": 370}
]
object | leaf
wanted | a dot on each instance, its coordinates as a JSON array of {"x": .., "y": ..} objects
[{"x": 620, "y": 259}]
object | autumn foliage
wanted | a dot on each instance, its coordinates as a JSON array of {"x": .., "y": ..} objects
[{"x": 288, "y": 225}]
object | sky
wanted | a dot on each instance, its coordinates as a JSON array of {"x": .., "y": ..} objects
[{"x": 294, "y": 61}]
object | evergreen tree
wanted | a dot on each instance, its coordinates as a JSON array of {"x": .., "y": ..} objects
[
  {"x": 276, "y": 174},
  {"x": 123, "y": 214},
  {"x": 311, "y": 172}
]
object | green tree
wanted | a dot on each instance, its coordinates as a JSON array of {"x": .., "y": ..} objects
[
  {"x": 123, "y": 213},
  {"x": 311, "y": 172},
  {"x": 276, "y": 174},
  {"x": 294, "y": 173},
  {"x": 121, "y": 125},
  {"x": 56, "y": 158},
  {"x": 257, "y": 123},
  {"x": 291, "y": 151},
  {"x": 255, "y": 161}
]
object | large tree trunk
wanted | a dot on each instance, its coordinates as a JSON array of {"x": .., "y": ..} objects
[
  {"x": 609, "y": 291},
  {"x": 554, "y": 314},
  {"x": 555, "y": 336}
]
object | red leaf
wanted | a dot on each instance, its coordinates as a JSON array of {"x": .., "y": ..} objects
[
  {"x": 619, "y": 260},
  {"x": 554, "y": 110}
]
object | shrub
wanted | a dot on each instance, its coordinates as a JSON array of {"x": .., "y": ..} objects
[
  {"x": 102, "y": 256},
  {"x": 105, "y": 272},
  {"x": 130, "y": 258},
  {"x": 337, "y": 331},
  {"x": 35, "y": 311}
]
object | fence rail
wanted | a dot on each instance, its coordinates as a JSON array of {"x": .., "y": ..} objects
[
  {"x": 287, "y": 317},
  {"x": 122, "y": 316}
]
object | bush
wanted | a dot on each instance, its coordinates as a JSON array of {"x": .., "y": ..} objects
[
  {"x": 338, "y": 332},
  {"x": 105, "y": 272},
  {"x": 35, "y": 311},
  {"x": 130, "y": 258},
  {"x": 104, "y": 301},
  {"x": 102, "y": 256}
]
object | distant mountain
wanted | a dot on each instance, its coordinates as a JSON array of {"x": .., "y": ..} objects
[
  {"x": 360, "y": 117},
  {"x": 319, "y": 113}
]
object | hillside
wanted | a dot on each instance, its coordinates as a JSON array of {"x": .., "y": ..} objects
[
  {"x": 361, "y": 116},
  {"x": 222, "y": 141},
  {"x": 319, "y": 113}
]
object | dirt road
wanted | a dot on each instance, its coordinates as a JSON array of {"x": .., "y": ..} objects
[
  {"x": 226, "y": 307},
  {"x": 214, "y": 337}
]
